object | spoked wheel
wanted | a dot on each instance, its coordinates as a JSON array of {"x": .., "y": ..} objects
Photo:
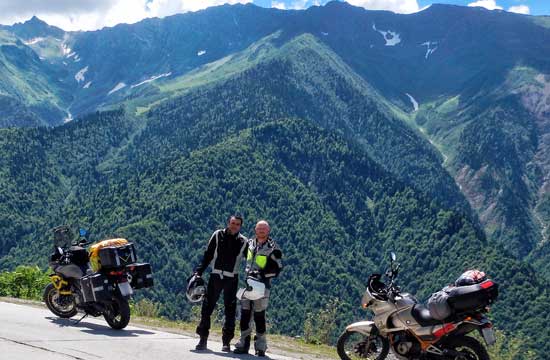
[
  {"x": 354, "y": 345},
  {"x": 117, "y": 313},
  {"x": 466, "y": 348},
  {"x": 61, "y": 305}
]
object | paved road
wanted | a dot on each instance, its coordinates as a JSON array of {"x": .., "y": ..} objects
[{"x": 31, "y": 333}]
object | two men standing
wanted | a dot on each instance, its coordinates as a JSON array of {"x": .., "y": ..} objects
[{"x": 225, "y": 250}]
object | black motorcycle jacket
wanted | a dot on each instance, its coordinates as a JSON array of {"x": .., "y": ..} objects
[{"x": 225, "y": 252}]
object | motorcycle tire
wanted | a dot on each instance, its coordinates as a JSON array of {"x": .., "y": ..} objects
[
  {"x": 117, "y": 313},
  {"x": 347, "y": 353},
  {"x": 52, "y": 297},
  {"x": 470, "y": 347}
]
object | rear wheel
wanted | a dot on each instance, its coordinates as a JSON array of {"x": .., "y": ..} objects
[
  {"x": 117, "y": 313},
  {"x": 354, "y": 345},
  {"x": 466, "y": 348},
  {"x": 61, "y": 305}
]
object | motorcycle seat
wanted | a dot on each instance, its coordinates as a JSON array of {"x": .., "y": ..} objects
[{"x": 422, "y": 314}]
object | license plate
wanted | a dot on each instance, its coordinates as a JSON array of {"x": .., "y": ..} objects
[
  {"x": 489, "y": 336},
  {"x": 125, "y": 289}
]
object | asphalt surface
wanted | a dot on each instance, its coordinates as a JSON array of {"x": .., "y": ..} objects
[{"x": 31, "y": 333}]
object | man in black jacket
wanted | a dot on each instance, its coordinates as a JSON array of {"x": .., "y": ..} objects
[{"x": 225, "y": 251}]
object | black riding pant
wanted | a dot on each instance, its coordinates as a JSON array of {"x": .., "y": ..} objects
[{"x": 217, "y": 284}]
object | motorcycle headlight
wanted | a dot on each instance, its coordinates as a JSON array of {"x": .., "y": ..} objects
[{"x": 366, "y": 301}]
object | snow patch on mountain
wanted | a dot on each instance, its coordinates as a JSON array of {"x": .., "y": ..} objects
[
  {"x": 87, "y": 85},
  {"x": 201, "y": 53},
  {"x": 76, "y": 58},
  {"x": 152, "y": 78},
  {"x": 413, "y": 102},
  {"x": 34, "y": 41},
  {"x": 79, "y": 76},
  {"x": 65, "y": 49},
  {"x": 324, "y": 33},
  {"x": 431, "y": 46},
  {"x": 71, "y": 55},
  {"x": 118, "y": 86},
  {"x": 68, "y": 118},
  {"x": 391, "y": 37}
]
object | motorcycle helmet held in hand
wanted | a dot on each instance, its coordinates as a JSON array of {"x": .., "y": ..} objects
[
  {"x": 254, "y": 290},
  {"x": 196, "y": 289},
  {"x": 471, "y": 277}
]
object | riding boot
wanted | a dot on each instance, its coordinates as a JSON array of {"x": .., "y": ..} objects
[
  {"x": 243, "y": 345},
  {"x": 202, "y": 343},
  {"x": 260, "y": 344}
]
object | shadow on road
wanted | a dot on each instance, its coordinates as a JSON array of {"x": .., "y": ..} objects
[
  {"x": 227, "y": 355},
  {"x": 97, "y": 329}
]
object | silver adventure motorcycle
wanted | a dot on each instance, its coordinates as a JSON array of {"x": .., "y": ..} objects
[{"x": 413, "y": 331}]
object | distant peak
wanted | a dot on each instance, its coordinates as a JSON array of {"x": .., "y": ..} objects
[
  {"x": 36, "y": 27},
  {"x": 36, "y": 21}
]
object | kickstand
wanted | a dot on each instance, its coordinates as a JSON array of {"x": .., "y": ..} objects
[{"x": 79, "y": 320}]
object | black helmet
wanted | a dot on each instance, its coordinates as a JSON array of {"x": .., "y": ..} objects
[
  {"x": 377, "y": 288},
  {"x": 471, "y": 277},
  {"x": 196, "y": 290}
]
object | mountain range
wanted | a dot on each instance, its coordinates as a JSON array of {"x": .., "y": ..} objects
[{"x": 355, "y": 132}]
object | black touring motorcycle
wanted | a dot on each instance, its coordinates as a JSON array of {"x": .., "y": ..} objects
[{"x": 98, "y": 282}]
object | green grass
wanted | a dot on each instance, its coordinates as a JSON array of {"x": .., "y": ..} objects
[
  {"x": 518, "y": 77},
  {"x": 49, "y": 48},
  {"x": 226, "y": 67}
]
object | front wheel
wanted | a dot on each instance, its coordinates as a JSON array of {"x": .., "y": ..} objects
[
  {"x": 117, "y": 313},
  {"x": 466, "y": 348},
  {"x": 61, "y": 305},
  {"x": 354, "y": 345}
]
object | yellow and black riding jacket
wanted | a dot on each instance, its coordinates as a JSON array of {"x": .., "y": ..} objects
[{"x": 264, "y": 259}]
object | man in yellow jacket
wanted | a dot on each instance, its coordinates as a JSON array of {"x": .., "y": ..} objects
[{"x": 263, "y": 263}]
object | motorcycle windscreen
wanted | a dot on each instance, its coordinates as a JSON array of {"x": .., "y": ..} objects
[{"x": 62, "y": 237}]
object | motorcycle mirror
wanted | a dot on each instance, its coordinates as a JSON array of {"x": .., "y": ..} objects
[
  {"x": 393, "y": 256},
  {"x": 83, "y": 232}
]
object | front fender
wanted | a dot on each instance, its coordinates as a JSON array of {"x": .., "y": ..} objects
[{"x": 363, "y": 327}]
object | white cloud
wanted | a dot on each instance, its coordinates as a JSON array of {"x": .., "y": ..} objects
[
  {"x": 294, "y": 5},
  {"x": 520, "y": 9},
  {"x": 95, "y": 14},
  {"x": 398, "y": 6},
  {"x": 298, "y": 4},
  {"x": 488, "y": 4},
  {"x": 278, "y": 5}
]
